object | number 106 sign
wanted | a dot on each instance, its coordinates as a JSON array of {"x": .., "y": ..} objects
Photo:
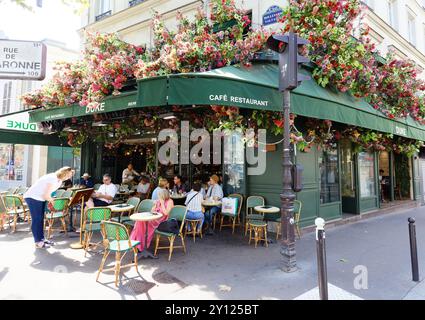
[{"x": 24, "y": 60}]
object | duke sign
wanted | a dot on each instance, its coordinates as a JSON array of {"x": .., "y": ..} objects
[
  {"x": 18, "y": 122},
  {"x": 25, "y": 60}
]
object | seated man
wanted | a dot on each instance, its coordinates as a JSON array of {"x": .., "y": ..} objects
[
  {"x": 129, "y": 175},
  {"x": 143, "y": 188},
  {"x": 162, "y": 184},
  {"x": 179, "y": 186},
  {"x": 86, "y": 181},
  {"x": 105, "y": 195}
]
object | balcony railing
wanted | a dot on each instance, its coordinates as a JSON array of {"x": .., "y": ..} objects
[
  {"x": 103, "y": 15},
  {"x": 133, "y": 3}
]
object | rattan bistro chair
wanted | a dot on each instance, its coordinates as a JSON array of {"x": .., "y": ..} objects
[
  {"x": 15, "y": 208},
  {"x": 59, "y": 193},
  {"x": 298, "y": 205},
  {"x": 60, "y": 211},
  {"x": 91, "y": 224},
  {"x": 133, "y": 201},
  {"x": 178, "y": 213},
  {"x": 144, "y": 206},
  {"x": 251, "y": 203},
  {"x": 234, "y": 220},
  {"x": 117, "y": 239}
]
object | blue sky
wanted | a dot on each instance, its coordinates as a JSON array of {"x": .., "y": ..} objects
[{"x": 54, "y": 21}]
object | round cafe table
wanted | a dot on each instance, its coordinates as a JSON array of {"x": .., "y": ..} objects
[
  {"x": 179, "y": 199},
  {"x": 146, "y": 217},
  {"x": 121, "y": 208}
]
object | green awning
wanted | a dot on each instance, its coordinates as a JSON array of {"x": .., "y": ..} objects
[
  {"x": 256, "y": 88},
  {"x": 126, "y": 100},
  {"x": 29, "y": 138}
]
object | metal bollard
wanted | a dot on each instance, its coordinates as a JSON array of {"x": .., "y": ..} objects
[
  {"x": 413, "y": 249},
  {"x": 321, "y": 259}
]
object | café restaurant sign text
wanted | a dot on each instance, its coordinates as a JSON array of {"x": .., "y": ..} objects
[{"x": 22, "y": 60}]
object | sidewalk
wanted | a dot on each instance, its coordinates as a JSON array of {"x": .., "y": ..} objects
[{"x": 224, "y": 267}]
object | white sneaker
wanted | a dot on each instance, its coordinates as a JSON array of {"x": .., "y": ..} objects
[{"x": 42, "y": 245}]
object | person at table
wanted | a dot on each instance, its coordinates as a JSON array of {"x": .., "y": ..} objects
[
  {"x": 214, "y": 192},
  {"x": 86, "y": 181},
  {"x": 179, "y": 186},
  {"x": 36, "y": 197},
  {"x": 104, "y": 196},
  {"x": 143, "y": 188},
  {"x": 163, "y": 184},
  {"x": 129, "y": 174},
  {"x": 194, "y": 205},
  {"x": 163, "y": 205}
]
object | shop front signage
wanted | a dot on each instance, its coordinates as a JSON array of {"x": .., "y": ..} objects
[
  {"x": 95, "y": 108},
  {"x": 272, "y": 15},
  {"x": 22, "y": 60},
  {"x": 18, "y": 122},
  {"x": 224, "y": 98},
  {"x": 400, "y": 131}
]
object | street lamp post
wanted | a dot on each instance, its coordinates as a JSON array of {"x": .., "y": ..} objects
[{"x": 289, "y": 61}]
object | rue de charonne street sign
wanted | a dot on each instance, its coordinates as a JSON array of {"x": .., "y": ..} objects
[{"x": 22, "y": 60}]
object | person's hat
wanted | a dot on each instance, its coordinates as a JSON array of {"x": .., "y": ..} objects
[{"x": 85, "y": 175}]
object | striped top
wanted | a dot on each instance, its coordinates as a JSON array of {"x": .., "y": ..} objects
[{"x": 194, "y": 205}]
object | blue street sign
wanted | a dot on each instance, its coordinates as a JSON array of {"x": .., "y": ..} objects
[{"x": 272, "y": 15}]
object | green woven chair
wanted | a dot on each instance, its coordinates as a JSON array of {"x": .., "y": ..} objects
[
  {"x": 234, "y": 220},
  {"x": 178, "y": 213},
  {"x": 91, "y": 224},
  {"x": 12, "y": 190},
  {"x": 251, "y": 203},
  {"x": 60, "y": 206},
  {"x": 116, "y": 239},
  {"x": 59, "y": 193},
  {"x": 15, "y": 208},
  {"x": 144, "y": 206},
  {"x": 134, "y": 201},
  {"x": 298, "y": 205},
  {"x": 97, "y": 186}
]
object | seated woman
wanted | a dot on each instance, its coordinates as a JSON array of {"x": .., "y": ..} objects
[
  {"x": 194, "y": 205},
  {"x": 162, "y": 185},
  {"x": 163, "y": 205},
  {"x": 214, "y": 192},
  {"x": 143, "y": 188}
]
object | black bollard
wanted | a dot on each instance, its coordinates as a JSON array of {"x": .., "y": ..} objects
[
  {"x": 321, "y": 259},
  {"x": 413, "y": 249}
]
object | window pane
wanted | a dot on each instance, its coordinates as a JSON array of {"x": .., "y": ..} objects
[
  {"x": 348, "y": 186},
  {"x": 367, "y": 174},
  {"x": 329, "y": 176}
]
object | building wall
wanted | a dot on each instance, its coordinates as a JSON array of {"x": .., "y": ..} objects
[{"x": 35, "y": 157}]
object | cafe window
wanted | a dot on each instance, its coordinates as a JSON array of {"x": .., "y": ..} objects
[
  {"x": 329, "y": 176},
  {"x": 367, "y": 174},
  {"x": 12, "y": 160},
  {"x": 234, "y": 164}
]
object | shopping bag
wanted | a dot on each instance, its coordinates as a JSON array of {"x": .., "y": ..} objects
[{"x": 229, "y": 206}]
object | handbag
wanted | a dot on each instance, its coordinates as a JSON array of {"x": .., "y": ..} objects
[
  {"x": 229, "y": 206},
  {"x": 169, "y": 226}
]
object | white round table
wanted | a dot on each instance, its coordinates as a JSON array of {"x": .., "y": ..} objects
[
  {"x": 121, "y": 208},
  {"x": 267, "y": 209},
  {"x": 146, "y": 217}
]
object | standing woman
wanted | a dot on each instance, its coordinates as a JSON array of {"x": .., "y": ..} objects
[
  {"x": 163, "y": 205},
  {"x": 36, "y": 198}
]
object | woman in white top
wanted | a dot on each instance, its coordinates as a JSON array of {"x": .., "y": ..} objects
[{"x": 36, "y": 198}]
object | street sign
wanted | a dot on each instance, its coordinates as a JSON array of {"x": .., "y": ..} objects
[
  {"x": 22, "y": 60},
  {"x": 272, "y": 15}
]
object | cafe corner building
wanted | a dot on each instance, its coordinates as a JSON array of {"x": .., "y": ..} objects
[
  {"x": 339, "y": 181},
  {"x": 356, "y": 158}
]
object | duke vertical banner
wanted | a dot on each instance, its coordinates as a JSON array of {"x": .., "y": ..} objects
[{"x": 22, "y": 60}]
